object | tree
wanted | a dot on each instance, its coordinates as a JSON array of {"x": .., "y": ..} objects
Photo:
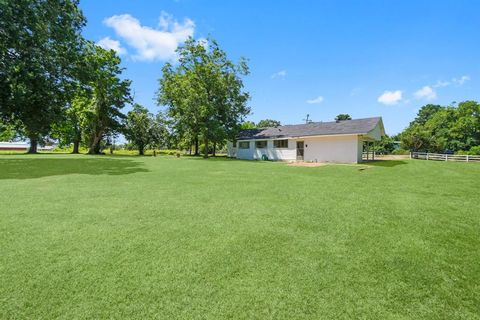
[
  {"x": 139, "y": 128},
  {"x": 159, "y": 133},
  {"x": 425, "y": 113},
  {"x": 248, "y": 125},
  {"x": 110, "y": 95},
  {"x": 439, "y": 128},
  {"x": 268, "y": 123},
  {"x": 71, "y": 128},
  {"x": 204, "y": 93},
  {"x": 343, "y": 116},
  {"x": 416, "y": 138},
  {"x": 385, "y": 145},
  {"x": 466, "y": 129},
  {"x": 39, "y": 43}
]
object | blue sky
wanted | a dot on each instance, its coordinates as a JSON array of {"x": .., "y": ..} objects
[{"x": 365, "y": 58}]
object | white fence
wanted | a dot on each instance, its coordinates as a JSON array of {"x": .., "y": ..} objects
[{"x": 444, "y": 157}]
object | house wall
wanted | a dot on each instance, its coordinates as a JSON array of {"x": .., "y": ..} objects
[
  {"x": 270, "y": 151},
  {"x": 342, "y": 149},
  {"x": 360, "y": 150},
  {"x": 231, "y": 150},
  {"x": 376, "y": 133}
]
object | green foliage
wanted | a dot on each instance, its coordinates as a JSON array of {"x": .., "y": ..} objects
[
  {"x": 425, "y": 113},
  {"x": 142, "y": 128},
  {"x": 385, "y": 145},
  {"x": 400, "y": 152},
  {"x": 343, "y": 116},
  {"x": 475, "y": 150},
  {"x": 9, "y": 131},
  {"x": 268, "y": 123},
  {"x": 204, "y": 94},
  {"x": 39, "y": 45},
  {"x": 248, "y": 125},
  {"x": 110, "y": 95},
  {"x": 437, "y": 128},
  {"x": 75, "y": 120}
]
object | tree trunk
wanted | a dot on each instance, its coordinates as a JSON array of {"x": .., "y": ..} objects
[
  {"x": 140, "y": 150},
  {"x": 94, "y": 147},
  {"x": 33, "y": 144},
  {"x": 76, "y": 141},
  {"x": 214, "y": 150},
  {"x": 196, "y": 146},
  {"x": 206, "y": 148},
  {"x": 76, "y": 147}
]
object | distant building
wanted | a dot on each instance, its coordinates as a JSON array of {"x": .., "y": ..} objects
[
  {"x": 14, "y": 146},
  {"x": 22, "y": 146}
]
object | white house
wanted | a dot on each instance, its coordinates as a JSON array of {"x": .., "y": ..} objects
[{"x": 337, "y": 141}]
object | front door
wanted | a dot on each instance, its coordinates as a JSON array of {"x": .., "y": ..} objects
[{"x": 299, "y": 150}]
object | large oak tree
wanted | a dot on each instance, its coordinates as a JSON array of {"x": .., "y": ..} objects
[
  {"x": 204, "y": 93},
  {"x": 110, "y": 94},
  {"x": 40, "y": 42}
]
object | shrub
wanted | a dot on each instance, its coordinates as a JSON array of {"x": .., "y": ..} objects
[
  {"x": 475, "y": 150},
  {"x": 400, "y": 152}
]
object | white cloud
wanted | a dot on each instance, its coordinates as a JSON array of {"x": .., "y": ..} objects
[
  {"x": 317, "y": 100},
  {"x": 110, "y": 44},
  {"x": 441, "y": 84},
  {"x": 460, "y": 81},
  {"x": 426, "y": 93},
  {"x": 279, "y": 74},
  {"x": 152, "y": 43},
  {"x": 390, "y": 97}
]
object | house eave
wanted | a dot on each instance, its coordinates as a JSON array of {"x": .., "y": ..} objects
[{"x": 302, "y": 137}]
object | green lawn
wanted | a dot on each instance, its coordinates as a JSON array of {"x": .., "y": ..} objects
[{"x": 167, "y": 238}]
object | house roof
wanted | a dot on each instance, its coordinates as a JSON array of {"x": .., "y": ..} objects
[{"x": 355, "y": 126}]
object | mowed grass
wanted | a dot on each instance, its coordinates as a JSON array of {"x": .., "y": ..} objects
[{"x": 141, "y": 237}]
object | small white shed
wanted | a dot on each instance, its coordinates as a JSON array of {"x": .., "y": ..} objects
[{"x": 337, "y": 141}]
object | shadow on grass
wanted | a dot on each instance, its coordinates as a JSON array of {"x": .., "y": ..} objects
[
  {"x": 385, "y": 163},
  {"x": 30, "y": 168}
]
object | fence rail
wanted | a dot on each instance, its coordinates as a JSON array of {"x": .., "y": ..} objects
[{"x": 444, "y": 157}]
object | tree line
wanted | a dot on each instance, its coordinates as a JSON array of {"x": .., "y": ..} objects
[
  {"x": 55, "y": 84},
  {"x": 452, "y": 128}
]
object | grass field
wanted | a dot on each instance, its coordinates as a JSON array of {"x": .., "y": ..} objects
[{"x": 167, "y": 238}]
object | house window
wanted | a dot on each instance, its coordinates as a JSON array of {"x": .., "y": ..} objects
[
  {"x": 280, "y": 143},
  {"x": 261, "y": 144},
  {"x": 244, "y": 145}
]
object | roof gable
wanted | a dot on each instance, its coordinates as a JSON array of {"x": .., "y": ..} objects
[{"x": 356, "y": 126}]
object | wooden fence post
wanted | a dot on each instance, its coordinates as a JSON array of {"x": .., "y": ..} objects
[
  {"x": 467, "y": 157},
  {"x": 427, "y": 155},
  {"x": 446, "y": 156}
]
